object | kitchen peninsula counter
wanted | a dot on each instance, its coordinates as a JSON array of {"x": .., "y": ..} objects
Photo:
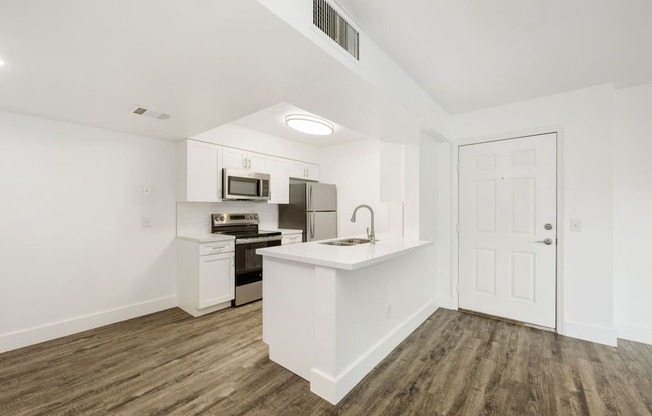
[
  {"x": 343, "y": 257},
  {"x": 332, "y": 313}
]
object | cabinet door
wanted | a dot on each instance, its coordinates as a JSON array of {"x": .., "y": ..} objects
[
  {"x": 292, "y": 238},
  {"x": 216, "y": 279},
  {"x": 297, "y": 169},
  {"x": 312, "y": 171},
  {"x": 203, "y": 178},
  {"x": 303, "y": 170},
  {"x": 234, "y": 158},
  {"x": 278, "y": 170},
  {"x": 257, "y": 162}
]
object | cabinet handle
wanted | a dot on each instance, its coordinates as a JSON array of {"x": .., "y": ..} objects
[
  {"x": 210, "y": 261},
  {"x": 249, "y": 163},
  {"x": 216, "y": 247}
]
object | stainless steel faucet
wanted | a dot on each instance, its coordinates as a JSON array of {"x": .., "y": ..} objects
[{"x": 371, "y": 235}]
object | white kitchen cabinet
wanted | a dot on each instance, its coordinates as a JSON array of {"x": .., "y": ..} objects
[
  {"x": 216, "y": 279},
  {"x": 293, "y": 237},
  {"x": 304, "y": 170},
  {"x": 243, "y": 160},
  {"x": 257, "y": 162},
  {"x": 279, "y": 171},
  {"x": 199, "y": 177},
  {"x": 205, "y": 275}
]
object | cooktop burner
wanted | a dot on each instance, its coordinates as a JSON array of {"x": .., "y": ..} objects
[{"x": 239, "y": 225}]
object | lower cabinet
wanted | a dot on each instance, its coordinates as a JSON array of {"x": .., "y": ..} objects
[
  {"x": 216, "y": 279},
  {"x": 205, "y": 276},
  {"x": 292, "y": 238}
]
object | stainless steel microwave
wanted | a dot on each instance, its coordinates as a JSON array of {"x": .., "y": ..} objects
[{"x": 244, "y": 185}]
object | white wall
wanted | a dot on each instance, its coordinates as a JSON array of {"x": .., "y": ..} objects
[
  {"x": 355, "y": 169},
  {"x": 585, "y": 118},
  {"x": 73, "y": 252},
  {"x": 633, "y": 213}
]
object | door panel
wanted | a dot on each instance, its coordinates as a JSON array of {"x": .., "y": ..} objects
[
  {"x": 507, "y": 192},
  {"x": 216, "y": 279},
  {"x": 321, "y": 197},
  {"x": 321, "y": 225}
]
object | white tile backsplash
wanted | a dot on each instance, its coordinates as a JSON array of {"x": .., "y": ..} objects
[{"x": 194, "y": 217}]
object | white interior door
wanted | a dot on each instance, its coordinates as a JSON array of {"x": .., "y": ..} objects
[{"x": 508, "y": 228}]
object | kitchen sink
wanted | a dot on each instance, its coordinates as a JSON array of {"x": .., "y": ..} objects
[
  {"x": 355, "y": 240},
  {"x": 347, "y": 242},
  {"x": 337, "y": 243}
]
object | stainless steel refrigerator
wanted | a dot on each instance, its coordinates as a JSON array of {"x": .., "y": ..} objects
[{"x": 312, "y": 209}]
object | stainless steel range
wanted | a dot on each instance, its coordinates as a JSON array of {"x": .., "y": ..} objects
[{"x": 248, "y": 264}]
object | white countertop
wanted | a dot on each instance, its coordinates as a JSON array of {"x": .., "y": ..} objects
[
  {"x": 343, "y": 257},
  {"x": 206, "y": 237}
]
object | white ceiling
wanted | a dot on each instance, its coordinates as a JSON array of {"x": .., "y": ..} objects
[
  {"x": 206, "y": 62},
  {"x": 475, "y": 54},
  {"x": 271, "y": 120},
  {"x": 210, "y": 62}
]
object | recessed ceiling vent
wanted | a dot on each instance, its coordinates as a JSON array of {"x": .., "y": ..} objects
[
  {"x": 329, "y": 21},
  {"x": 142, "y": 111}
]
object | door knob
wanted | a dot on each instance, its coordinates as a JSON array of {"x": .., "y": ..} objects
[
  {"x": 547, "y": 241},
  {"x": 548, "y": 226}
]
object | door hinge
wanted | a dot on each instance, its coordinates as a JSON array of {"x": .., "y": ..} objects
[{"x": 458, "y": 228}]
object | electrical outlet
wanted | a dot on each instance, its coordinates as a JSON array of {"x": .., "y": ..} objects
[
  {"x": 207, "y": 219},
  {"x": 146, "y": 222},
  {"x": 147, "y": 190}
]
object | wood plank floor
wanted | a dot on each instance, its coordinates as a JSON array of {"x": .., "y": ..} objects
[{"x": 169, "y": 363}]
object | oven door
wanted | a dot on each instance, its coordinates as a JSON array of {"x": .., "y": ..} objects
[{"x": 249, "y": 269}]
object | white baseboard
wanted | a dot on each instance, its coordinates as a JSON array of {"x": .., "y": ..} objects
[
  {"x": 35, "y": 335},
  {"x": 593, "y": 333},
  {"x": 634, "y": 332},
  {"x": 335, "y": 390}
]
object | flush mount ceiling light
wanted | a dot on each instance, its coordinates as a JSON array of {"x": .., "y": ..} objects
[{"x": 309, "y": 124}]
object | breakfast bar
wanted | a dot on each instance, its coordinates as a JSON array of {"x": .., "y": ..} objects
[{"x": 331, "y": 313}]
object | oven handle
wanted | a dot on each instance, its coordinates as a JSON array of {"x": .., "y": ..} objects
[{"x": 257, "y": 240}]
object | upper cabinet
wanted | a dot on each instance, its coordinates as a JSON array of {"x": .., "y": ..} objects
[
  {"x": 199, "y": 177},
  {"x": 304, "y": 170},
  {"x": 200, "y": 167},
  {"x": 243, "y": 160}
]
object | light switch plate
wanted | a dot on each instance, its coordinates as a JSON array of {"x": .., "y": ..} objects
[{"x": 576, "y": 224}]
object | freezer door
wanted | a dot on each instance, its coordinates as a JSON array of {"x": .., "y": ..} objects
[
  {"x": 321, "y": 197},
  {"x": 321, "y": 225}
]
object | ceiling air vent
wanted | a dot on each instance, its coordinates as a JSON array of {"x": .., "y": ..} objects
[
  {"x": 329, "y": 21},
  {"x": 142, "y": 111}
]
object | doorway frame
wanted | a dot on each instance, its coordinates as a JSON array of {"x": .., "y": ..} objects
[{"x": 560, "y": 315}]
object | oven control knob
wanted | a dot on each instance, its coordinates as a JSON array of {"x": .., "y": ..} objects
[
  {"x": 255, "y": 216},
  {"x": 221, "y": 217}
]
